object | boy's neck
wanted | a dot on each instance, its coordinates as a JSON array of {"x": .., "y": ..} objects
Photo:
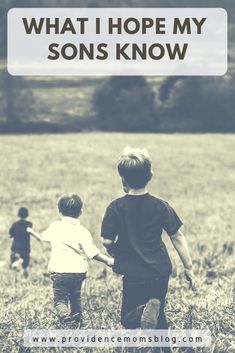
[{"x": 138, "y": 191}]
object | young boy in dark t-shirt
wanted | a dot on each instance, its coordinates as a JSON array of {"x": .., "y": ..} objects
[
  {"x": 132, "y": 231},
  {"x": 20, "y": 248}
]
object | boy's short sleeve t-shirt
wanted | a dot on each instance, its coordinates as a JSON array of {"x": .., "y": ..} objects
[
  {"x": 20, "y": 235},
  {"x": 71, "y": 246},
  {"x": 136, "y": 224}
]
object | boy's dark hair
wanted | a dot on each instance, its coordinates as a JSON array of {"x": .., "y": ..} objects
[
  {"x": 70, "y": 205},
  {"x": 23, "y": 212},
  {"x": 134, "y": 167}
]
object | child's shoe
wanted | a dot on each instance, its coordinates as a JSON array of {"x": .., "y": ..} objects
[
  {"x": 17, "y": 264},
  {"x": 149, "y": 318}
]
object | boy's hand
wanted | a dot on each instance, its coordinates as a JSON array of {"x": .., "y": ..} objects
[
  {"x": 190, "y": 278},
  {"x": 110, "y": 262}
]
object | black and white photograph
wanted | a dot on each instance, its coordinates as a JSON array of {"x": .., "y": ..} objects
[{"x": 117, "y": 176}]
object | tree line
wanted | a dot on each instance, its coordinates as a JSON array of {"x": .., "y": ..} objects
[{"x": 129, "y": 104}]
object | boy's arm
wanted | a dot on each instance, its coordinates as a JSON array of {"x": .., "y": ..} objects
[
  {"x": 44, "y": 236},
  {"x": 109, "y": 245},
  {"x": 109, "y": 261},
  {"x": 180, "y": 244},
  {"x": 94, "y": 254},
  {"x": 33, "y": 233},
  {"x": 12, "y": 231},
  {"x": 110, "y": 228}
]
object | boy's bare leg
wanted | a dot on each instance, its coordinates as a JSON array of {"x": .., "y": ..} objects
[{"x": 25, "y": 264}]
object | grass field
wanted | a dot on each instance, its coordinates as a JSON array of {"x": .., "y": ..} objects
[{"x": 194, "y": 172}]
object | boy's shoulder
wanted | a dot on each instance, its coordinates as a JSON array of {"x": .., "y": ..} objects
[
  {"x": 60, "y": 223},
  {"x": 15, "y": 223},
  {"x": 118, "y": 201},
  {"x": 55, "y": 224},
  {"x": 23, "y": 222},
  {"x": 28, "y": 223},
  {"x": 160, "y": 204},
  {"x": 84, "y": 230},
  {"x": 57, "y": 221},
  {"x": 158, "y": 201},
  {"x": 151, "y": 199}
]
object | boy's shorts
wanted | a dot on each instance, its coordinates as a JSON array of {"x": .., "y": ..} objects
[{"x": 16, "y": 255}]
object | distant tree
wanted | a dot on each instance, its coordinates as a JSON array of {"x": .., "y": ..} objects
[
  {"x": 126, "y": 103},
  {"x": 17, "y": 101},
  {"x": 201, "y": 104}
]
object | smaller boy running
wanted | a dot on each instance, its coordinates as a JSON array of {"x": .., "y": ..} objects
[
  {"x": 71, "y": 246},
  {"x": 20, "y": 248}
]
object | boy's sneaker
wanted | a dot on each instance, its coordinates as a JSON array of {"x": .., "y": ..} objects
[
  {"x": 17, "y": 264},
  {"x": 149, "y": 318}
]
